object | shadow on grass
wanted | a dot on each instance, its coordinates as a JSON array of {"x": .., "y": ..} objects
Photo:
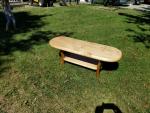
[
  {"x": 2, "y": 111},
  {"x": 110, "y": 66},
  {"x": 25, "y": 23},
  {"x": 107, "y": 106},
  {"x": 39, "y": 37},
  {"x": 142, "y": 21}
]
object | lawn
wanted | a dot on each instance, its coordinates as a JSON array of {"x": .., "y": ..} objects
[{"x": 33, "y": 81}]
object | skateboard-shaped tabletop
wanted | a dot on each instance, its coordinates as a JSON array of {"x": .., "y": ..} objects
[{"x": 87, "y": 49}]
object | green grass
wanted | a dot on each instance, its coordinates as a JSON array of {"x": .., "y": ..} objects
[{"x": 33, "y": 81}]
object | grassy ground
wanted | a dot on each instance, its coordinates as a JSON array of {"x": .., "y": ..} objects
[{"x": 33, "y": 81}]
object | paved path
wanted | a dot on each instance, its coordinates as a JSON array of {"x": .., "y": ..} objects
[{"x": 142, "y": 7}]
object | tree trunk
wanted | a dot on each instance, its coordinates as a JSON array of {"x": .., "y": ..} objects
[{"x": 5, "y": 2}]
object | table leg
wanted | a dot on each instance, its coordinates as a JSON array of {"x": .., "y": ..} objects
[
  {"x": 62, "y": 57},
  {"x": 98, "y": 69}
]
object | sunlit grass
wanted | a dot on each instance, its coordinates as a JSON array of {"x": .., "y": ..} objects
[{"x": 33, "y": 81}]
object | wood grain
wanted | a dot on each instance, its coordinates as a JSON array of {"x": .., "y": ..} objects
[
  {"x": 88, "y": 49},
  {"x": 81, "y": 63}
]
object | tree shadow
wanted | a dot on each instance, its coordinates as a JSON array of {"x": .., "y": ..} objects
[
  {"x": 26, "y": 22},
  {"x": 39, "y": 37},
  {"x": 141, "y": 34},
  {"x": 2, "y": 111},
  {"x": 107, "y": 106},
  {"x": 137, "y": 19}
]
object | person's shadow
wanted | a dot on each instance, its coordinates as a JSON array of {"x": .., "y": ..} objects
[{"x": 107, "y": 106}]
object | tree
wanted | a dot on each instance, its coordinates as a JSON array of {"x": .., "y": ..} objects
[{"x": 4, "y": 2}]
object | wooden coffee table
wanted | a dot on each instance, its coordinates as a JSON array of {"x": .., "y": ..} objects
[{"x": 83, "y": 53}]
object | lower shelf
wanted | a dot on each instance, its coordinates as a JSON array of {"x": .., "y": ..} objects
[{"x": 80, "y": 62}]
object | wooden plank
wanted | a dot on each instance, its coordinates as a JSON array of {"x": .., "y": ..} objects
[
  {"x": 88, "y": 49},
  {"x": 81, "y": 63}
]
